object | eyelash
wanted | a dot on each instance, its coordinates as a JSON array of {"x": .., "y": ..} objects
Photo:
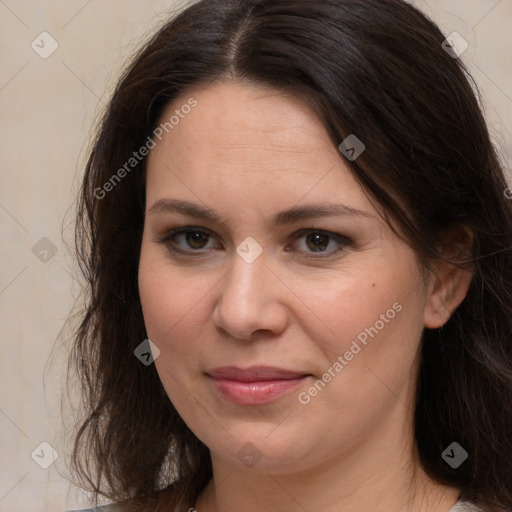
[{"x": 168, "y": 240}]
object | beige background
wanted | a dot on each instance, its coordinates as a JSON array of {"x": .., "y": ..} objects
[{"x": 48, "y": 107}]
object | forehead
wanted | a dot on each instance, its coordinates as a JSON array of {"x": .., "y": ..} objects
[
  {"x": 250, "y": 147},
  {"x": 236, "y": 116}
]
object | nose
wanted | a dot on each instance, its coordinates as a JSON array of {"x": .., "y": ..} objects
[{"x": 251, "y": 300}]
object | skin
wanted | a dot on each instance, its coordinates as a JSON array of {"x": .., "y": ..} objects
[{"x": 249, "y": 152}]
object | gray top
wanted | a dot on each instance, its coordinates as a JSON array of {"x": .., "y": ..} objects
[
  {"x": 104, "y": 508},
  {"x": 460, "y": 506},
  {"x": 465, "y": 506}
]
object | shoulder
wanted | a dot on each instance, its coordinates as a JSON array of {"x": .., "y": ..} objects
[
  {"x": 105, "y": 508},
  {"x": 460, "y": 506},
  {"x": 465, "y": 506}
]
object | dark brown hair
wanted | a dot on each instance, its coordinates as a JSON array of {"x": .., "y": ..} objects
[{"x": 374, "y": 68}]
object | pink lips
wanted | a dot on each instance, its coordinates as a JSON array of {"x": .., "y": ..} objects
[{"x": 254, "y": 385}]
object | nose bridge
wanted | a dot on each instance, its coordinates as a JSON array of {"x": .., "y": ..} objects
[
  {"x": 246, "y": 282},
  {"x": 247, "y": 300}
]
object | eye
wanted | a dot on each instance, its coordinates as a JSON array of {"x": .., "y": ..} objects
[
  {"x": 318, "y": 241},
  {"x": 196, "y": 239}
]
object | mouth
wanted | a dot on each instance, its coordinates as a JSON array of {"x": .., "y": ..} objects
[{"x": 255, "y": 385}]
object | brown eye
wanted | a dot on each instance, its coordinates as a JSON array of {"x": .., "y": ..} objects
[
  {"x": 196, "y": 239},
  {"x": 315, "y": 243},
  {"x": 318, "y": 242},
  {"x": 186, "y": 240}
]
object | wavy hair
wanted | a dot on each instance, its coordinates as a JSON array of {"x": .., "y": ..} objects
[{"x": 375, "y": 68}]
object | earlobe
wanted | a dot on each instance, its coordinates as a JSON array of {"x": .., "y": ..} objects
[{"x": 448, "y": 288}]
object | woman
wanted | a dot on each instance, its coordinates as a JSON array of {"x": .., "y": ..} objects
[{"x": 298, "y": 245}]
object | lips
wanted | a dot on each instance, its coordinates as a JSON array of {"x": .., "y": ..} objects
[
  {"x": 254, "y": 373},
  {"x": 256, "y": 385}
]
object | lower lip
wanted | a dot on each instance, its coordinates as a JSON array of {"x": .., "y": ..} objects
[{"x": 258, "y": 392}]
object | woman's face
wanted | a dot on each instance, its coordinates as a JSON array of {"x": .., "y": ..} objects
[{"x": 338, "y": 299}]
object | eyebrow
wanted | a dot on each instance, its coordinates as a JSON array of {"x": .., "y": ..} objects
[{"x": 297, "y": 213}]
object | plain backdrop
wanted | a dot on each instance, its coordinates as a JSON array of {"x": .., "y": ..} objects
[{"x": 49, "y": 104}]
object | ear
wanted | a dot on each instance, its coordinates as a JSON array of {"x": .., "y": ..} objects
[{"x": 449, "y": 284}]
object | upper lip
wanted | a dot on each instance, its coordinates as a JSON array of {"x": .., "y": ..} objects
[{"x": 254, "y": 373}]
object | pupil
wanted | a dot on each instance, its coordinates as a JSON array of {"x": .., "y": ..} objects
[
  {"x": 196, "y": 238},
  {"x": 316, "y": 238}
]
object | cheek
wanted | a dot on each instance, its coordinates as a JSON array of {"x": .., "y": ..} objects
[
  {"x": 174, "y": 307},
  {"x": 165, "y": 303},
  {"x": 374, "y": 322},
  {"x": 155, "y": 295},
  {"x": 359, "y": 304},
  {"x": 164, "y": 295}
]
